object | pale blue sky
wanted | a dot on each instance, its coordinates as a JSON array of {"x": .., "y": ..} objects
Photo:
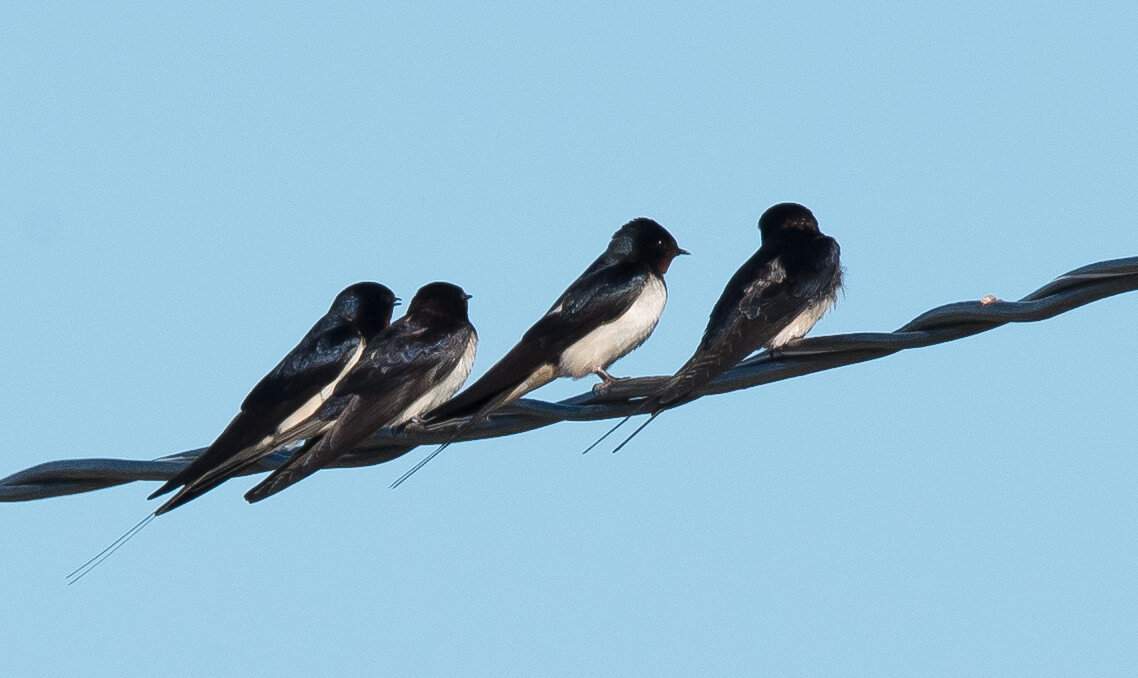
[{"x": 183, "y": 191}]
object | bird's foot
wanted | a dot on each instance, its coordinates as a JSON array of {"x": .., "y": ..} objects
[{"x": 607, "y": 382}]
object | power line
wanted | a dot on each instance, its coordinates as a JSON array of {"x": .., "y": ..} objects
[{"x": 814, "y": 354}]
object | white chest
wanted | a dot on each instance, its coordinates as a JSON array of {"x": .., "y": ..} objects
[
  {"x": 446, "y": 386},
  {"x": 802, "y": 324},
  {"x": 611, "y": 341}
]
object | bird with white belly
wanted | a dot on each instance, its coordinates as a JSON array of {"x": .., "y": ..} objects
[{"x": 608, "y": 311}]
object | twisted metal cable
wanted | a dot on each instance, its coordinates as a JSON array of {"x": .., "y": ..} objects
[{"x": 942, "y": 324}]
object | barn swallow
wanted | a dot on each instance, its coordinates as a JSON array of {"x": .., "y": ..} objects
[
  {"x": 774, "y": 298},
  {"x": 414, "y": 365},
  {"x": 607, "y": 312},
  {"x": 290, "y": 394},
  {"x": 278, "y": 410}
]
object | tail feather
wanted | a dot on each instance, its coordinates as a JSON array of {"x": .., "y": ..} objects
[
  {"x": 197, "y": 489},
  {"x": 238, "y": 463},
  {"x": 608, "y": 433},
  {"x": 403, "y": 478},
  {"x": 194, "y": 471},
  {"x": 240, "y": 434},
  {"x": 303, "y": 463},
  {"x": 638, "y": 430},
  {"x": 85, "y": 569},
  {"x": 495, "y": 403}
]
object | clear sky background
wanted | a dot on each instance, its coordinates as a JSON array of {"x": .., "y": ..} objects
[{"x": 183, "y": 190}]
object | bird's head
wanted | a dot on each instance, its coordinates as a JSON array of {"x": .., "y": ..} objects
[
  {"x": 367, "y": 304},
  {"x": 787, "y": 218},
  {"x": 439, "y": 300},
  {"x": 645, "y": 240}
]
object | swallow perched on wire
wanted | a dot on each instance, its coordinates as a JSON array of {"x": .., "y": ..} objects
[
  {"x": 290, "y": 394},
  {"x": 607, "y": 312},
  {"x": 774, "y": 298},
  {"x": 279, "y": 409},
  {"x": 412, "y": 366}
]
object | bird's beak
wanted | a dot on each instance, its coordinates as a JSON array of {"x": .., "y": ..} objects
[
  {"x": 398, "y": 301},
  {"x": 680, "y": 251},
  {"x": 468, "y": 296}
]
